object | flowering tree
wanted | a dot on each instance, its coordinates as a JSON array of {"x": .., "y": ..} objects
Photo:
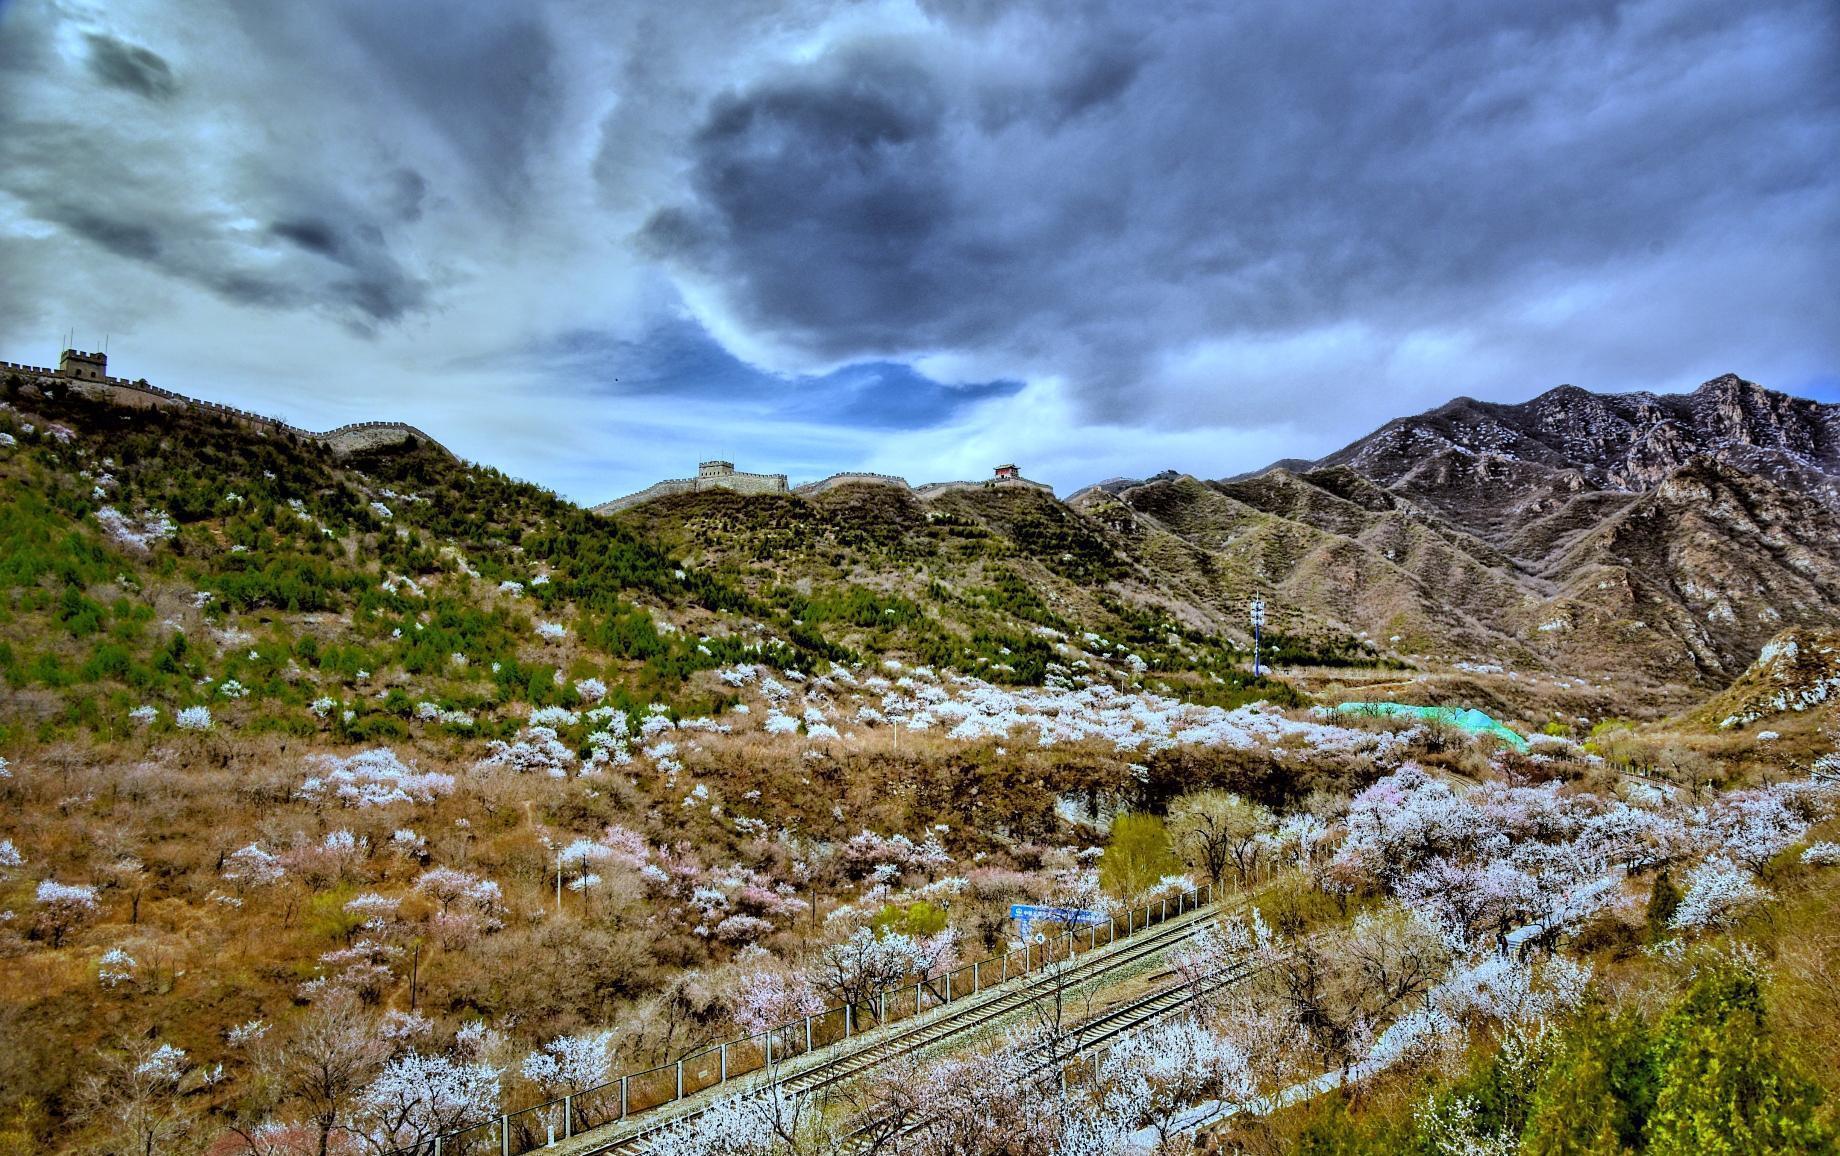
[
  {"x": 767, "y": 999},
  {"x": 988, "y": 1103},
  {"x": 1717, "y": 893},
  {"x": 251, "y": 866},
  {"x": 852, "y": 972},
  {"x": 1150, "y": 1077},
  {"x": 469, "y": 904},
  {"x": 141, "y": 1096},
  {"x": 418, "y": 1097},
  {"x": 570, "y": 1064},
  {"x": 1229, "y": 943},
  {"x": 115, "y": 968},
  {"x": 64, "y": 907},
  {"x": 9, "y": 858},
  {"x": 769, "y": 1124},
  {"x": 1753, "y": 827},
  {"x": 1467, "y": 899},
  {"x": 193, "y": 718}
]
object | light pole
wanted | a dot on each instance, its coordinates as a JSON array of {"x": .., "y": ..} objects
[{"x": 1258, "y": 625}]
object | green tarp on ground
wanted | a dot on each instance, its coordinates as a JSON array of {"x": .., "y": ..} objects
[{"x": 1470, "y": 720}]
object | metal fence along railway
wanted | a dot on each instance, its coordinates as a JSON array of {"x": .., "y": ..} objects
[
  {"x": 537, "y": 1126},
  {"x": 970, "y": 1022},
  {"x": 1079, "y": 1056}
]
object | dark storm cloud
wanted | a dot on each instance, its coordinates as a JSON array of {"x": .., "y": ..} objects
[
  {"x": 313, "y": 236},
  {"x": 130, "y": 66},
  {"x": 138, "y": 189},
  {"x": 485, "y": 80},
  {"x": 1242, "y": 171},
  {"x": 825, "y": 195},
  {"x": 1250, "y": 229},
  {"x": 409, "y": 192}
]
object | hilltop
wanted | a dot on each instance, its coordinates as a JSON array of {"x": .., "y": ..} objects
[
  {"x": 1660, "y": 540},
  {"x": 1528, "y": 556},
  {"x": 360, "y": 746}
]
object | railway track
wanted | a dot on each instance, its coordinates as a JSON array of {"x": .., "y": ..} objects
[
  {"x": 959, "y": 1021},
  {"x": 1090, "y": 1036}
]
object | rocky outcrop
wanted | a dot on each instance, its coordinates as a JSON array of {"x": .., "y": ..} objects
[
  {"x": 1669, "y": 536},
  {"x": 1467, "y": 458},
  {"x": 1796, "y": 671}
]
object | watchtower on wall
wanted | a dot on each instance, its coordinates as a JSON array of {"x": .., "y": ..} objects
[
  {"x": 715, "y": 469},
  {"x": 74, "y": 363}
]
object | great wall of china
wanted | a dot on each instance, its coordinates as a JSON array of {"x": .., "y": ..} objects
[
  {"x": 87, "y": 373},
  {"x": 720, "y": 475}
]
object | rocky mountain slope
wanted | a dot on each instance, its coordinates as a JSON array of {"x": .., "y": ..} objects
[
  {"x": 1797, "y": 673},
  {"x": 1638, "y": 547},
  {"x": 1660, "y": 537}
]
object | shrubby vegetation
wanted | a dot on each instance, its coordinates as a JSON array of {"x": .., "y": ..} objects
[{"x": 355, "y": 800}]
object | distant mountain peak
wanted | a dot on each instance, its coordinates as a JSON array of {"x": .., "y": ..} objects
[{"x": 1627, "y": 441}]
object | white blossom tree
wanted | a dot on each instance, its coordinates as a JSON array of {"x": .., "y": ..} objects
[
  {"x": 570, "y": 1064},
  {"x": 1152, "y": 1076},
  {"x": 853, "y": 971},
  {"x": 63, "y": 908},
  {"x": 141, "y": 1096},
  {"x": 418, "y": 1097},
  {"x": 1717, "y": 892}
]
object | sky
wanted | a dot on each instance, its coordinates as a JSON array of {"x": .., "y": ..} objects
[{"x": 592, "y": 244}]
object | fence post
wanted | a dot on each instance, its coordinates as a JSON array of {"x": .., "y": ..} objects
[
  {"x": 680, "y": 1079},
  {"x": 437, "y": 1146},
  {"x": 881, "y": 1008},
  {"x": 808, "y": 1033},
  {"x": 1165, "y": 917},
  {"x": 724, "y": 1078},
  {"x": 623, "y": 1097},
  {"x": 974, "y": 977},
  {"x": 504, "y": 1135},
  {"x": 568, "y": 1116},
  {"x": 849, "y": 1021},
  {"x": 768, "y": 1036}
]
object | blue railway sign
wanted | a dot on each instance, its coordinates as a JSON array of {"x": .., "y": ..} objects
[{"x": 1028, "y": 914}]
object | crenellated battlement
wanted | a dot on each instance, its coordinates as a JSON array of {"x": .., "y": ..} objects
[
  {"x": 86, "y": 373},
  {"x": 720, "y": 475},
  {"x": 710, "y": 475}
]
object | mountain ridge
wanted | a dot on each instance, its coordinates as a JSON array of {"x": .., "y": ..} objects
[{"x": 1672, "y": 534}]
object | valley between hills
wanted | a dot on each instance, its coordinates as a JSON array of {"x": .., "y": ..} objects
[{"x": 359, "y": 797}]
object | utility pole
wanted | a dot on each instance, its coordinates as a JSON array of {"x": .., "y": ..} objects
[
  {"x": 558, "y": 882},
  {"x": 1258, "y": 626}
]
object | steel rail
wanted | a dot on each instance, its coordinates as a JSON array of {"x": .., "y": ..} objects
[
  {"x": 967, "y": 1021},
  {"x": 1102, "y": 1029}
]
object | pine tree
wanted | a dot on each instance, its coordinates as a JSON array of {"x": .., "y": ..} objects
[
  {"x": 1597, "y": 1094},
  {"x": 1722, "y": 1087},
  {"x": 1661, "y": 904}
]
